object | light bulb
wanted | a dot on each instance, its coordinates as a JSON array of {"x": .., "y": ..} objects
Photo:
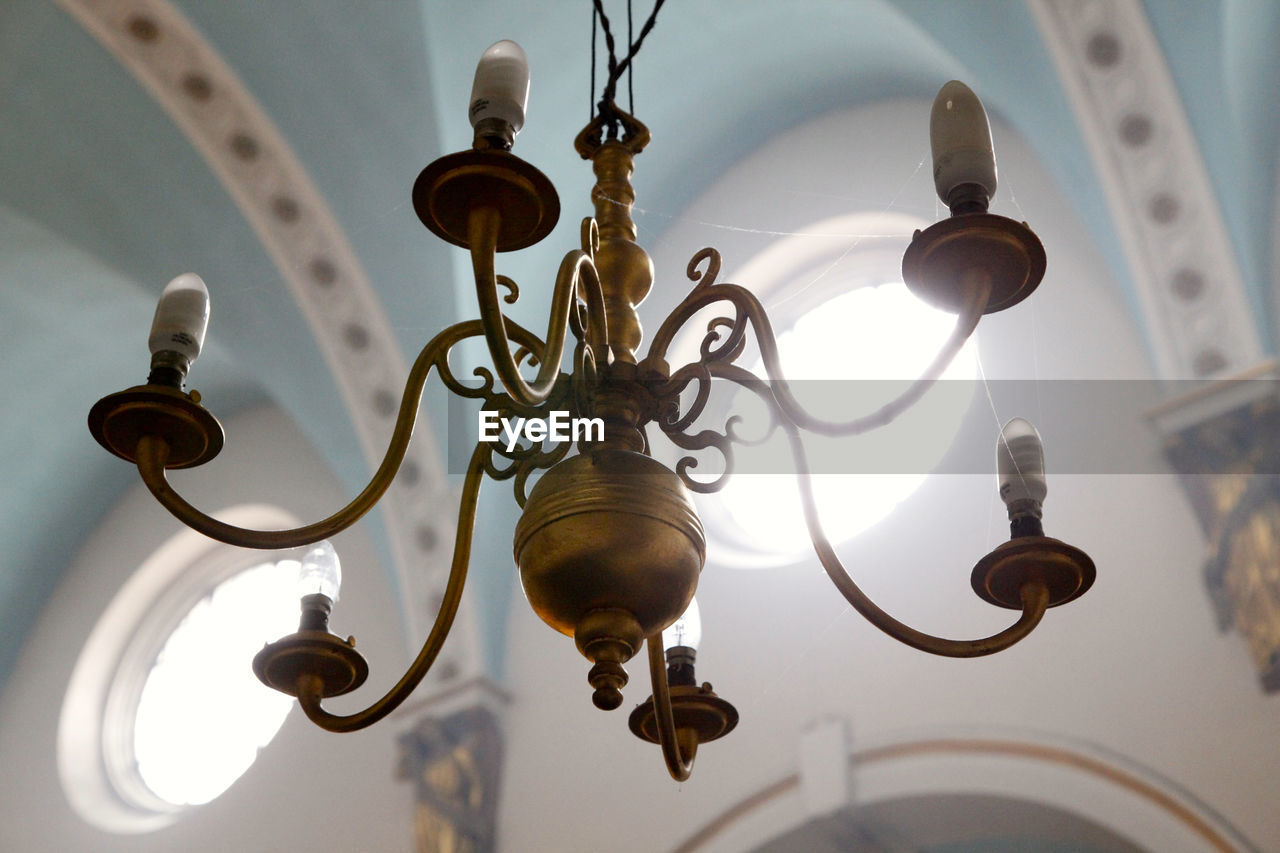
[
  {"x": 961, "y": 141},
  {"x": 1020, "y": 463},
  {"x": 501, "y": 87},
  {"x": 685, "y": 632},
  {"x": 182, "y": 316},
  {"x": 320, "y": 571}
]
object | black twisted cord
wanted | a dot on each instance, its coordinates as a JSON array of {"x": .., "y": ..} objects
[
  {"x": 631, "y": 89},
  {"x": 591, "y": 95},
  {"x": 607, "y": 108}
]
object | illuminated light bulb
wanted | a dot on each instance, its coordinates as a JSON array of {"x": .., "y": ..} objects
[
  {"x": 680, "y": 641},
  {"x": 182, "y": 316},
  {"x": 1020, "y": 466},
  {"x": 501, "y": 88},
  {"x": 685, "y": 632},
  {"x": 964, "y": 162},
  {"x": 320, "y": 572}
]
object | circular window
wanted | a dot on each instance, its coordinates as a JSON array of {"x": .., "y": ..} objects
[
  {"x": 851, "y": 338},
  {"x": 163, "y": 711},
  {"x": 189, "y": 749}
]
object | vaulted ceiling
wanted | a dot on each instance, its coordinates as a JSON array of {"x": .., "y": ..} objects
[{"x": 272, "y": 148}]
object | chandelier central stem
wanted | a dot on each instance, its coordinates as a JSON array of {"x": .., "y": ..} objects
[{"x": 626, "y": 271}]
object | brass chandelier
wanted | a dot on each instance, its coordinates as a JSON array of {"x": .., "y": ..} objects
[{"x": 609, "y": 545}]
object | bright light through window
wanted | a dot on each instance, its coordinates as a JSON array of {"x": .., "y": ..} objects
[
  {"x": 876, "y": 333},
  {"x": 202, "y": 715}
]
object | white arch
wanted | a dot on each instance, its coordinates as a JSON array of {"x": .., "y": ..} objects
[{"x": 1104, "y": 789}]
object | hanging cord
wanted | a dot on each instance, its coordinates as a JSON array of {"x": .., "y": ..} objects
[
  {"x": 607, "y": 108},
  {"x": 591, "y": 94},
  {"x": 631, "y": 89}
]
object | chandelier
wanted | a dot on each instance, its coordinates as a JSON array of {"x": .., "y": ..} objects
[{"x": 609, "y": 545}]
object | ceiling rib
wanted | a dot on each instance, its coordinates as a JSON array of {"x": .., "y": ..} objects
[
  {"x": 204, "y": 97},
  {"x": 1195, "y": 306}
]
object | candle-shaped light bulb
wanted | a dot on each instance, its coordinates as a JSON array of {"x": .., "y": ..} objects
[
  {"x": 1020, "y": 464},
  {"x": 500, "y": 91},
  {"x": 964, "y": 163},
  {"x": 320, "y": 571},
  {"x": 182, "y": 316},
  {"x": 685, "y": 632}
]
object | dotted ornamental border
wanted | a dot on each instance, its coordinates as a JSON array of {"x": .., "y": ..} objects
[
  {"x": 200, "y": 92},
  {"x": 1196, "y": 308}
]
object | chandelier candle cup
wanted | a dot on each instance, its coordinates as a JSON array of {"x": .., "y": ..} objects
[
  {"x": 520, "y": 200},
  {"x": 698, "y": 715},
  {"x": 160, "y": 411},
  {"x": 313, "y": 657},
  {"x": 1029, "y": 557},
  {"x": 954, "y": 261}
]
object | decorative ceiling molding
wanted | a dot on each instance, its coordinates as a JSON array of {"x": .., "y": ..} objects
[
  {"x": 205, "y": 98},
  {"x": 1094, "y": 783},
  {"x": 1196, "y": 309}
]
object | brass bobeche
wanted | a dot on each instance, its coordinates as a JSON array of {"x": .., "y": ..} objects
[{"x": 609, "y": 545}]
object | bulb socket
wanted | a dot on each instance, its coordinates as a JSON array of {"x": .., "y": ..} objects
[
  {"x": 494, "y": 134},
  {"x": 680, "y": 660},
  {"x": 316, "y": 608},
  {"x": 1025, "y": 510},
  {"x": 1025, "y": 524},
  {"x": 169, "y": 368},
  {"x": 968, "y": 198}
]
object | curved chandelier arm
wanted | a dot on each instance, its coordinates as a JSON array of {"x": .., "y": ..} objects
[
  {"x": 153, "y": 453},
  {"x": 1035, "y": 595},
  {"x": 966, "y": 322},
  {"x": 576, "y": 268},
  {"x": 309, "y": 686},
  {"x": 749, "y": 311},
  {"x": 679, "y": 756}
]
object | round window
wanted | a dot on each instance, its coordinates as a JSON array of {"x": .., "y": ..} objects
[
  {"x": 888, "y": 337},
  {"x": 850, "y": 338},
  {"x": 163, "y": 711},
  {"x": 189, "y": 749}
]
